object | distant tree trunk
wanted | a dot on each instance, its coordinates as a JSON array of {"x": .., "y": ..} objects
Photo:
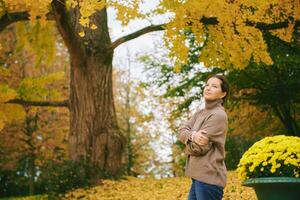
[
  {"x": 30, "y": 127},
  {"x": 31, "y": 165},
  {"x": 285, "y": 116},
  {"x": 130, "y": 154},
  {"x": 94, "y": 133}
]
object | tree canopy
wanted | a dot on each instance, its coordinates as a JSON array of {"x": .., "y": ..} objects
[{"x": 230, "y": 31}]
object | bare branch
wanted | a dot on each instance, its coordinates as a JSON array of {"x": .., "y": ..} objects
[
  {"x": 136, "y": 34},
  {"x": 64, "y": 103}
]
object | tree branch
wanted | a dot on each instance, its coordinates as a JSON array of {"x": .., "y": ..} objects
[
  {"x": 136, "y": 34},
  {"x": 259, "y": 25},
  {"x": 10, "y": 18},
  {"x": 64, "y": 103},
  {"x": 268, "y": 27},
  {"x": 205, "y": 20}
]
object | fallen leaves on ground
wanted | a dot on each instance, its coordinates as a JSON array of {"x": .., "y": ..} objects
[{"x": 153, "y": 189}]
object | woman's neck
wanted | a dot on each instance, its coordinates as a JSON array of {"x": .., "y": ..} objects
[{"x": 209, "y": 104}]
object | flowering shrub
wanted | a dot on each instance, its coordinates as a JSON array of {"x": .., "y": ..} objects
[{"x": 271, "y": 157}]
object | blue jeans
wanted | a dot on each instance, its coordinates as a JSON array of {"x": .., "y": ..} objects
[{"x": 204, "y": 191}]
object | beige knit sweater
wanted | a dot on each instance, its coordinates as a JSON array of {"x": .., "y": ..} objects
[{"x": 205, "y": 163}]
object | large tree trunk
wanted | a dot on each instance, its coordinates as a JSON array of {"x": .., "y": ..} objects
[{"x": 94, "y": 133}]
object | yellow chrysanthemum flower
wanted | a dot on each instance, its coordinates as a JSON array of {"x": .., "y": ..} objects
[{"x": 271, "y": 156}]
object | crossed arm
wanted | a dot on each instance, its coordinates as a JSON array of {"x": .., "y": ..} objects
[{"x": 212, "y": 131}]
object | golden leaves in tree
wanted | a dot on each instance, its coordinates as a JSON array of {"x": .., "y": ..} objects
[
  {"x": 232, "y": 41},
  {"x": 87, "y": 8},
  {"x": 126, "y": 10},
  {"x": 37, "y": 89},
  {"x": 36, "y": 8},
  {"x": 6, "y": 93},
  {"x": 9, "y": 112},
  {"x": 29, "y": 89},
  {"x": 38, "y": 39}
]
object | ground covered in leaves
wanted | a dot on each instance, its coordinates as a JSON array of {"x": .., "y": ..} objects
[{"x": 152, "y": 189}]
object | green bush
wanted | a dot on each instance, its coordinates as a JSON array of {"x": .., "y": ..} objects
[
  {"x": 12, "y": 184},
  {"x": 235, "y": 147},
  {"x": 59, "y": 177}
]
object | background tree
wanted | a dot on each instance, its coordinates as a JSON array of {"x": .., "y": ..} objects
[
  {"x": 230, "y": 32},
  {"x": 29, "y": 138},
  {"x": 274, "y": 87},
  {"x": 132, "y": 119}
]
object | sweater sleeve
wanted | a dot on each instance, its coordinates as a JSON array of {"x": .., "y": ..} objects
[
  {"x": 185, "y": 130},
  {"x": 194, "y": 149},
  {"x": 216, "y": 128}
]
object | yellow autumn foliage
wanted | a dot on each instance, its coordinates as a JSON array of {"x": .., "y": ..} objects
[
  {"x": 9, "y": 112},
  {"x": 29, "y": 89},
  {"x": 37, "y": 89},
  {"x": 231, "y": 42},
  {"x": 154, "y": 189},
  {"x": 38, "y": 38},
  {"x": 6, "y": 93}
]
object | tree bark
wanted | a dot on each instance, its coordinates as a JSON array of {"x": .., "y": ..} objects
[
  {"x": 285, "y": 116},
  {"x": 30, "y": 126},
  {"x": 94, "y": 133}
]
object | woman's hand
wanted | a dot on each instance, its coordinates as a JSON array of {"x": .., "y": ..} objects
[{"x": 200, "y": 138}]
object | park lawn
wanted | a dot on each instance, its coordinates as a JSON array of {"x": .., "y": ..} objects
[{"x": 153, "y": 189}]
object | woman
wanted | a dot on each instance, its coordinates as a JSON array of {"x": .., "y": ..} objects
[{"x": 204, "y": 136}]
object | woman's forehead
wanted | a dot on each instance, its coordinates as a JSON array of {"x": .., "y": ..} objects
[{"x": 214, "y": 80}]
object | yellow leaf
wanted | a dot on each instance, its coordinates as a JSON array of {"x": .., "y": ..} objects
[
  {"x": 94, "y": 27},
  {"x": 81, "y": 34},
  {"x": 177, "y": 68},
  {"x": 12, "y": 112},
  {"x": 6, "y": 93},
  {"x": 1, "y": 124}
]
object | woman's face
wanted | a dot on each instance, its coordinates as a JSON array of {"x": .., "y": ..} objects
[{"x": 213, "y": 90}]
